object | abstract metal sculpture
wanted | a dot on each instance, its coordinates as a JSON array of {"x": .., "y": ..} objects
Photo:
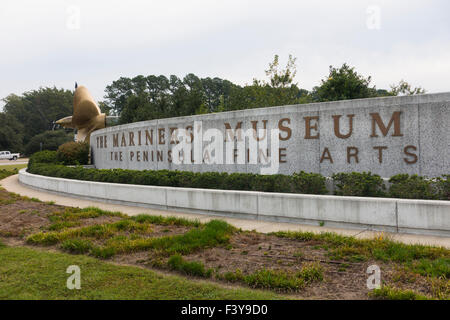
[{"x": 86, "y": 117}]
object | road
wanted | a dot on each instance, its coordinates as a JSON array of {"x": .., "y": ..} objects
[{"x": 19, "y": 161}]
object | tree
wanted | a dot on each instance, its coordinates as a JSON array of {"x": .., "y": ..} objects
[
  {"x": 342, "y": 84},
  {"x": 50, "y": 140},
  {"x": 282, "y": 78},
  {"x": 155, "y": 97},
  {"x": 279, "y": 90},
  {"x": 217, "y": 92},
  {"x": 117, "y": 94},
  {"x": 195, "y": 95},
  {"x": 37, "y": 110},
  {"x": 202, "y": 109},
  {"x": 11, "y": 133},
  {"x": 404, "y": 88}
]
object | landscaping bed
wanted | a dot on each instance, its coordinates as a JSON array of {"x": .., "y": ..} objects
[{"x": 301, "y": 265}]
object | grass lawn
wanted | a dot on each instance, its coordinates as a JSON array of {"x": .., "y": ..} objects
[
  {"x": 35, "y": 274},
  {"x": 11, "y": 167}
]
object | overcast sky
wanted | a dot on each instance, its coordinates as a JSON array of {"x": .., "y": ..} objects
[{"x": 55, "y": 43}]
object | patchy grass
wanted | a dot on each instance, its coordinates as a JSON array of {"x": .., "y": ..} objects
[
  {"x": 167, "y": 221},
  {"x": 76, "y": 214},
  {"x": 211, "y": 234},
  {"x": 193, "y": 268},
  {"x": 57, "y": 226},
  {"x": 436, "y": 268},
  {"x": 425, "y": 260},
  {"x": 278, "y": 279},
  {"x": 33, "y": 274},
  {"x": 391, "y": 293},
  {"x": 77, "y": 245},
  {"x": 440, "y": 288},
  {"x": 214, "y": 233},
  {"x": 97, "y": 231}
]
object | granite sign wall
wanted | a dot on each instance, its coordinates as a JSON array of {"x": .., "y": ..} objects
[{"x": 386, "y": 136}]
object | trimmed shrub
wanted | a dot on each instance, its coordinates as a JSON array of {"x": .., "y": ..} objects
[
  {"x": 416, "y": 187},
  {"x": 309, "y": 183},
  {"x": 45, "y": 156},
  {"x": 207, "y": 180},
  {"x": 238, "y": 181},
  {"x": 73, "y": 153},
  {"x": 363, "y": 184},
  {"x": 443, "y": 184}
]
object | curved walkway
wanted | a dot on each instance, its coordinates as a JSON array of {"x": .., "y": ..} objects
[{"x": 12, "y": 184}]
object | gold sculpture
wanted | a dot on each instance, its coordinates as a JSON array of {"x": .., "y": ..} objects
[{"x": 86, "y": 117}]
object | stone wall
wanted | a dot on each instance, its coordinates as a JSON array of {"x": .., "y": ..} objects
[{"x": 386, "y": 136}]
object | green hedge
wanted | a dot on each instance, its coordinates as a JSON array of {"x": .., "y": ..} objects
[
  {"x": 45, "y": 156},
  {"x": 363, "y": 184},
  {"x": 70, "y": 153},
  {"x": 416, "y": 187},
  {"x": 347, "y": 184},
  {"x": 402, "y": 186},
  {"x": 308, "y": 183}
]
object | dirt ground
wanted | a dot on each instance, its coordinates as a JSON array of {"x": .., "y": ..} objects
[{"x": 247, "y": 251}]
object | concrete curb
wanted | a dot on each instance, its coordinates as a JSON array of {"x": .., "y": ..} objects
[{"x": 424, "y": 217}]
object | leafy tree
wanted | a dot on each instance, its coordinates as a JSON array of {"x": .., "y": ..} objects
[
  {"x": 153, "y": 97},
  {"x": 282, "y": 78},
  {"x": 117, "y": 94},
  {"x": 217, "y": 92},
  {"x": 11, "y": 133},
  {"x": 37, "y": 110},
  {"x": 279, "y": 90},
  {"x": 342, "y": 84},
  {"x": 404, "y": 88},
  {"x": 383, "y": 93},
  {"x": 202, "y": 109},
  {"x": 50, "y": 140},
  {"x": 105, "y": 108},
  {"x": 195, "y": 95}
]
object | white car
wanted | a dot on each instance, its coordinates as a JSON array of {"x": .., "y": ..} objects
[{"x": 6, "y": 155}]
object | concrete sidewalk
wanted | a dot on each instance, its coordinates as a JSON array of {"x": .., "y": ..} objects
[{"x": 12, "y": 184}]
